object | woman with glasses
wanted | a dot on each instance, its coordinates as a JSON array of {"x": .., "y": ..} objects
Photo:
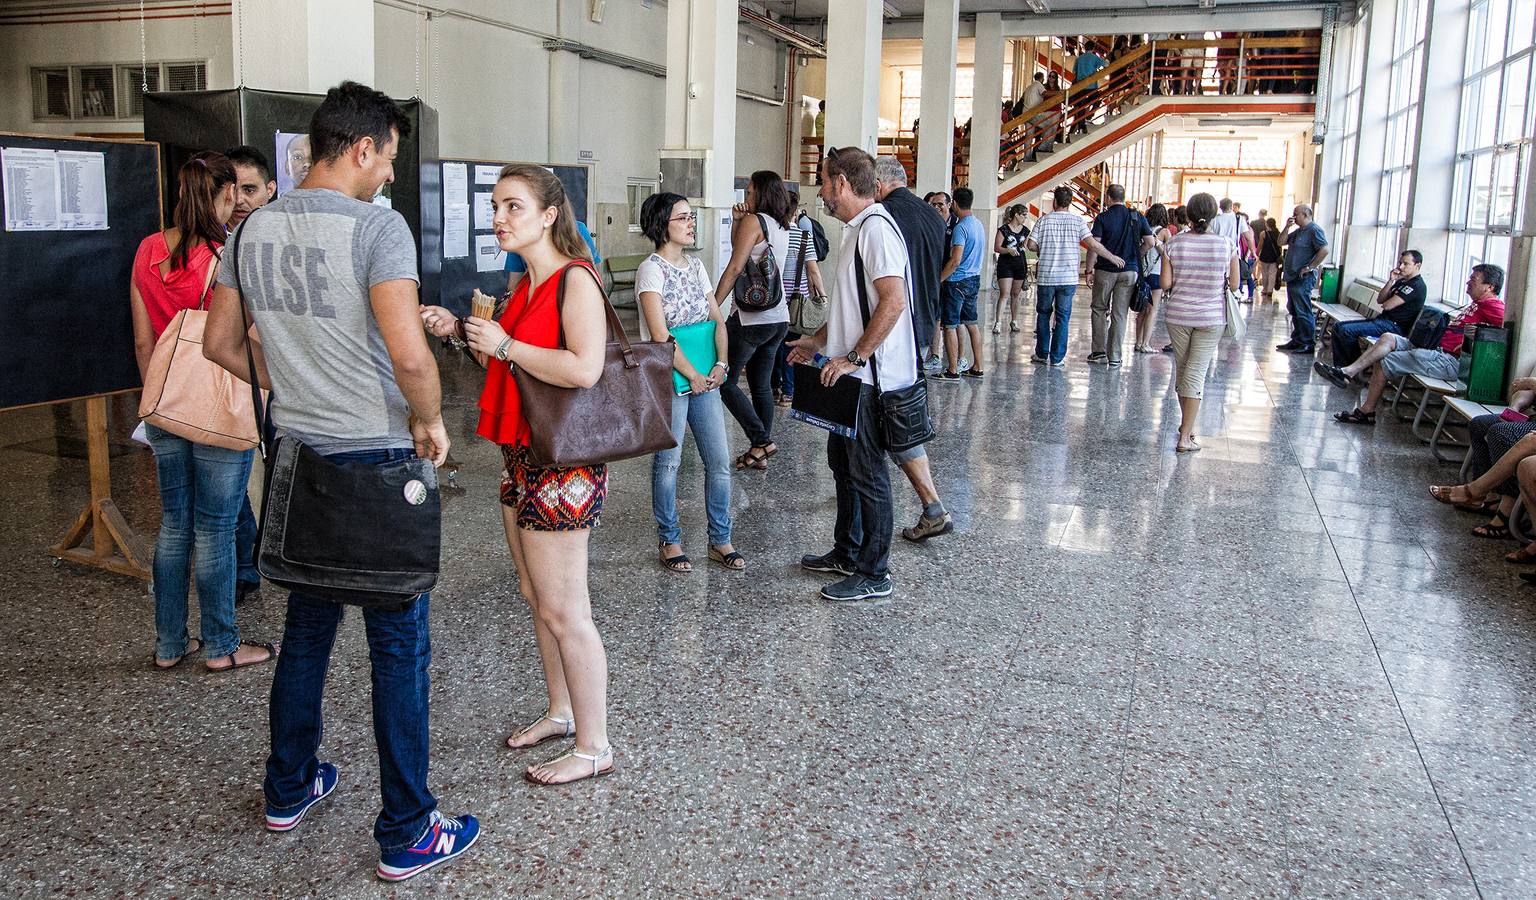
[{"x": 675, "y": 294}]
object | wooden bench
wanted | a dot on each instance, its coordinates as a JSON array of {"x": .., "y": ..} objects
[
  {"x": 621, "y": 272},
  {"x": 1457, "y": 413},
  {"x": 1357, "y": 304}
]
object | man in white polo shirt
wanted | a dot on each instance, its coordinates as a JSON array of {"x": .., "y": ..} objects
[{"x": 875, "y": 344}]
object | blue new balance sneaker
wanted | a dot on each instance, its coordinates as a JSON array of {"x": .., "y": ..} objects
[
  {"x": 319, "y": 789},
  {"x": 445, "y": 839}
]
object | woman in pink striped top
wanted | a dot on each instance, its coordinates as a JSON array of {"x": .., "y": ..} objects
[{"x": 1198, "y": 268}]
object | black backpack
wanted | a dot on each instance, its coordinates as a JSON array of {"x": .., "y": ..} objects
[
  {"x": 1429, "y": 328},
  {"x": 818, "y": 237}
]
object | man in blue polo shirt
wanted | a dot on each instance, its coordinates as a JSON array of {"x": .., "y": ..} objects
[
  {"x": 515, "y": 267},
  {"x": 961, "y": 283}
]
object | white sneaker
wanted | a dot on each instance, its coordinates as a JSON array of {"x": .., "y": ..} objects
[{"x": 997, "y": 328}]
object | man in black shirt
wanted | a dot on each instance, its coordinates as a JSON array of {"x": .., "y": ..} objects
[
  {"x": 922, "y": 228},
  {"x": 1401, "y": 300}
]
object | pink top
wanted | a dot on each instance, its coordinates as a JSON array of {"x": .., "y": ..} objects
[
  {"x": 1201, "y": 263},
  {"x": 178, "y": 289}
]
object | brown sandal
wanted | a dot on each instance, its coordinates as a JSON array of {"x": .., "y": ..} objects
[
  {"x": 233, "y": 664},
  {"x": 1443, "y": 493},
  {"x": 165, "y": 664},
  {"x": 754, "y": 458},
  {"x": 1523, "y": 557}
]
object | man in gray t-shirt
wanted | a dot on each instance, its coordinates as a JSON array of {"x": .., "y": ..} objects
[
  {"x": 306, "y": 263},
  {"x": 330, "y": 280}
]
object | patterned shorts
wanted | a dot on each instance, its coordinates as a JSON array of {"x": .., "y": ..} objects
[{"x": 550, "y": 499}]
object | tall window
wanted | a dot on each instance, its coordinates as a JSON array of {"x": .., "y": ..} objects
[
  {"x": 1347, "y": 124},
  {"x": 1403, "y": 95},
  {"x": 965, "y": 90},
  {"x": 1495, "y": 136}
]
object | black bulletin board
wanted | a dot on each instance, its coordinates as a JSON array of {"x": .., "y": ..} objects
[
  {"x": 459, "y": 277},
  {"x": 66, "y": 331}
]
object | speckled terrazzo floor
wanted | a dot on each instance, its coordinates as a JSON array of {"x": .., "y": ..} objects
[{"x": 1274, "y": 668}]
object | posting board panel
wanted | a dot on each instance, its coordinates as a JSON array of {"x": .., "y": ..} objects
[
  {"x": 455, "y": 237},
  {"x": 66, "y": 329}
]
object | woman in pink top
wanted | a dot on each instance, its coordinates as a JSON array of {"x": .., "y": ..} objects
[
  {"x": 1199, "y": 267},
  {"x": 201, "y": 486}
]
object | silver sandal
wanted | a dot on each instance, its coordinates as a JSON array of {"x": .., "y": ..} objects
[
  {"x": 568, "y": 726},
  {"x": 595, "y": 759}
]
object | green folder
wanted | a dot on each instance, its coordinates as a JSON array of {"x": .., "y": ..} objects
[{"x": 697, "y": 341}]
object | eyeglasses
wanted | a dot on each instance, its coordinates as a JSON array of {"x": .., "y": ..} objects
[{"x": 685, "y": 217}]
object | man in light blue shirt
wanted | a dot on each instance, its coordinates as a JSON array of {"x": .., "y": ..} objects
[
  {"x": 961, "y": 277},
  {"x": 516, "y": 267}
]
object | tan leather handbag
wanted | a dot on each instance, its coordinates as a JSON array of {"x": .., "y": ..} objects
[{"x": 191, "y": 397}]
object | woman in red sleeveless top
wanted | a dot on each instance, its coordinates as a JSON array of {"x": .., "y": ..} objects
[{"x": 548, "y": 512}]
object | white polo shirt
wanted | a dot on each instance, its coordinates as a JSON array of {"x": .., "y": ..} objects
[{"x": 885, "y": 254}]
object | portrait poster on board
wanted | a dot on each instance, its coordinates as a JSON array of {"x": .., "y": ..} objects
[{"x": 292, "y": 160}]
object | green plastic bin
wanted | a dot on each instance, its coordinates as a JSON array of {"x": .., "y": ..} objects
[
  {"x": 1489, "y": 348},
  {"x": 1330, "y": 288}
]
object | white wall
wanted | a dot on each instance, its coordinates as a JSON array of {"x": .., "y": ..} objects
[{"x": 24, "y": 46}]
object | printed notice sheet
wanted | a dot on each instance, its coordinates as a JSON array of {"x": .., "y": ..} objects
[
  {"x": 455, "y": 182},
  {"x": 486, "y": 174},
  {"x": 489, "y": 257},
  {"x": 455, "y": 230},
  {"x": 485, "y": 213},
  {"x": 31, "y": 179},
  {"x": 82, "y": 190}
]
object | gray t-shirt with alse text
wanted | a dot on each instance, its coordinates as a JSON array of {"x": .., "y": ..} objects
[{"x": 305, "y": 263}]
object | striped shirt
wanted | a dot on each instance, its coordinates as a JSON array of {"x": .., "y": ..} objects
[
  {"x": 1201, "y": 263},
  {"x": 1058, "y": 235}
]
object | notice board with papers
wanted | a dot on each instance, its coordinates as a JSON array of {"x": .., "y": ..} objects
[
  {"x": 75, "y": 211},
  {"x": 457, "y": 230}
]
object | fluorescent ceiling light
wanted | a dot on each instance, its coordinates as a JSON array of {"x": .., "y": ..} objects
[
  {"x": 1038, "y": 6},
  {"x": 1207, "y": 4},
  {"x": 891, "y": 12},
  {"x": 1235, "y": 123}
]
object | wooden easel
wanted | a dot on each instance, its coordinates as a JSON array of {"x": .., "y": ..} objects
[{"x": 113, "y": 545}]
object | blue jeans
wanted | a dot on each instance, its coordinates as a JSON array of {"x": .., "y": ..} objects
[
  {"x": 400, "y": 649},
  {"x": 1053, "y": 309},
  {"x": 1298, "y": 302},
  {"x": 783, "y": 372},
  {"x": 959, "y": 301},
  {"x": 1347, "y": 335},
  {"x": 864, "y": 515},
  {"x": 704, "y": 415},
  {"x": 201, "y": 487},
  {"x": 245, "y": 543}
]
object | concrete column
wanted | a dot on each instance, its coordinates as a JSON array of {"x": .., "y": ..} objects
[
  {"x": 936, "y": 137},
  {"x": 1379, "y": 48},
  {"x": 1429, "y": 198},
  {"x": 853, "y": 73},
  {"x": 701, "y": 94},
  {"x": 308, "y": 46},
  {"x": 986, "y": 127},
  {"x": 563, "y": 136}
]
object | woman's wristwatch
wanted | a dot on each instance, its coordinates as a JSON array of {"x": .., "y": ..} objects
[
  {"x": 502, "y": 348},
  {"x": 720, "y": 365}
]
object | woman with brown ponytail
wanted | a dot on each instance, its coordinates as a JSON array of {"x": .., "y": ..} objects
[
  {"x": 548, "y": 512},
  {"x": 201, "y": 486}
]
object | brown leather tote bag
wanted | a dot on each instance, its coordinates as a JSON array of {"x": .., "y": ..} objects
[
  {"x": 191, "y": 397},
  {"x": 628, "y": 413}
]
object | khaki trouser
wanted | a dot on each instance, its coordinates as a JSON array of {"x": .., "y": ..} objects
[
  {"x": 1111, "y": 304},
  {"x": 1194, "y": 350}
]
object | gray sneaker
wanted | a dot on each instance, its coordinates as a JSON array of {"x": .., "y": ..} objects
[
  {"x": 927, "y": 528},
  {"x": 857, "y": 587},
  {"x": 827, "y": 562}
]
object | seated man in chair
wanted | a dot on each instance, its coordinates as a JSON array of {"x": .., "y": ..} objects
[
  {"x": 1401, "y": 300},
  {"x": 1393, "y": 355}
]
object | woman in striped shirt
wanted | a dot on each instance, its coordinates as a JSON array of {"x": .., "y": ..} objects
[{"x": 1198, "y": 268}]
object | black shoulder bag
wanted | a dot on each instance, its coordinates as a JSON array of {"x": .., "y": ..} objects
[
  {"x": 904, "y": 420},
  {"x": 760, "y": 286},
  {"x": 358, "y": 533}
]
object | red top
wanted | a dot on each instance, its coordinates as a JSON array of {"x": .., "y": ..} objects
[
  {"x": 535, "y": 322},
  {"x": 178, "y": 289},
  {"x": 1482, "y": 312}
]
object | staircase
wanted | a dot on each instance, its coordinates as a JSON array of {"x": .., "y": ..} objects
[{"x": 1076, "y": 129}]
